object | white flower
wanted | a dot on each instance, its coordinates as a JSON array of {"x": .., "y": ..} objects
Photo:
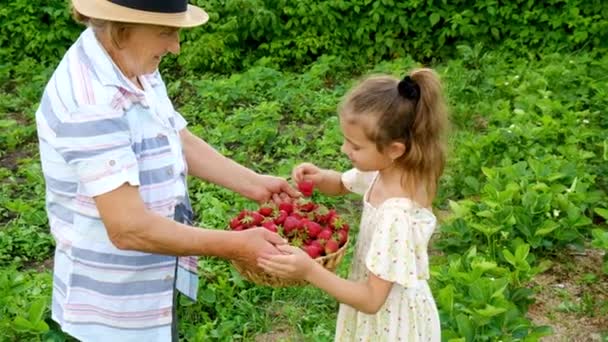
[
  {"x": 585, "y": 121},
  {"x": 556, "y": 213}
]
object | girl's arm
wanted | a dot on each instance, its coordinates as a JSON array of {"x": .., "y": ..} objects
[{"x": 367, "y": 296}]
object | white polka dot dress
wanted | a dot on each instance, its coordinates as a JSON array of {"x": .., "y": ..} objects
[{"x": 392, "y": 244}]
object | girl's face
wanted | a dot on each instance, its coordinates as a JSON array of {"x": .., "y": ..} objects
[{"x": 361, "y": 151}]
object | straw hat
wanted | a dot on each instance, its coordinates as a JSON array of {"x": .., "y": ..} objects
[{"x": 173, "y": 13}]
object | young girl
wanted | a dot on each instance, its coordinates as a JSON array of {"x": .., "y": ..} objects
[{"x": 393, "y": 135}]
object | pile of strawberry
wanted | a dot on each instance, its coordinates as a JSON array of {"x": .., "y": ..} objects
[{"x": 318, "y": 230}]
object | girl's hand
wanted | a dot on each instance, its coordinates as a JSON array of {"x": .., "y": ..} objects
[
  {"x": 293, "y": 264},
  {"x": 307, "y": 171}
]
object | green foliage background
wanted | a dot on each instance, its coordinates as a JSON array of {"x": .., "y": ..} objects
[{"x": 527, "y": 83}]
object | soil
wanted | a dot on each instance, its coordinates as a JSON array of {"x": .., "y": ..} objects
[{"x": 572, "y": 298}]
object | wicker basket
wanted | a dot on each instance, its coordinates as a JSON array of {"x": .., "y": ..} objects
[{"x": 330, "y": 262}]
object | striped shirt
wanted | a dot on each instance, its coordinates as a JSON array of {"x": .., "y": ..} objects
[{"x": 98, "y": 131}]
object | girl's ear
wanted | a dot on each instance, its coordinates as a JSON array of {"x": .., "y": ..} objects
[{"x": 395, "y": 150}]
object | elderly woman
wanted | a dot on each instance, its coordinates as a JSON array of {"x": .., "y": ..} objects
[{"x": 115, "y": 155}]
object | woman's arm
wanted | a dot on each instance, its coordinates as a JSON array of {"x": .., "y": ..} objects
[
  {"x": 131, "y": 226},
  {"x": 207, "y": 163}
]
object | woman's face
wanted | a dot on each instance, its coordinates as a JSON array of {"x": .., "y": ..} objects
[{"x": 145, "y": 46}]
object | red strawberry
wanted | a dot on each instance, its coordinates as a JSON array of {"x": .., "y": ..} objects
[
  {"x": 307, "y": 206},
  {"x": 323, "y": 215},
  {"x": 306, "y": 187},
  {"x": 297, "y": 215},
  {"x": 342, "y": 236},
  {"x": 313, "y": 251},
  {"x": 320, "y": 244},
  {"x": 312, "y": 228},
  {"x": 235, "y": 222},
  {"x": 288, "y": 207},
  {"x": 257, "y": 218},
  {"x": 270, "y": 226},
  {"x": 291, "y": 224},
  {"x": 242, "y": 214},
  {"x": 266, "y": 210},
  {"x": 336, "y": 222},
  {"x": 282, "y": 216},
  {"x": 247, "y": 220},
  {"x": 331, "y": 246},
  {"x": 325, "y": 234}
]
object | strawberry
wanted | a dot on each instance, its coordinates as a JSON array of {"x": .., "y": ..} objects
[
  {"x": 336, "y": 222},
  {"x": 270, "y": 226},
  {"x": 312, "y": 228},
  {"x": 307, "y": 206},
  {"x": 313, "y": 251},
  {"x": 306, "y": 187},
  {"x": 288, "y": 207},
  {"x": 291, "y": 224},
  {"x": 246, "y": 220},
  {"x": 281, "y": 218},
  {"x": 323, "y": 215},
  {"x": 331, "y": 246},
  {"x": 242, "y": 214},
  {"x": 342, "y": 236},
  {"x": 297, "y": 215},
  {"x": 266, "y": 210},
  {"x": 235, "y": 222},
  {"x": 257, "y": 218},
  {"x": 318, "y": 243},
  {"x": 325, "y": 234}
]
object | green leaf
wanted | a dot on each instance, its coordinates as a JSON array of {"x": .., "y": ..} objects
[
  {"x": 490, "y": 311},
  {"x": 21, "y": 324},
  {"x": 208, "y": 296},
  {"x": 434, "y": 19},
  {"x": 602, "y": 212},
  {"x": 465, "y": 327},
  {"x": 546, "y": 228},
  {"x": 37, "y": 310}
]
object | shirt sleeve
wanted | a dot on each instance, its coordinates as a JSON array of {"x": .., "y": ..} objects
[
  {"x": 392, "y": 252},
  {"x": 96, "y": 142},
  {"x": 357, "y": 181},
  {"x": 180, "y": 121}
]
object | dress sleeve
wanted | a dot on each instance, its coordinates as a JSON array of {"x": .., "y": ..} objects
[
  {"x": 392, "y": 252},
  {"x": 357, "y": 181},
  {"x": 96, "y": 141}
]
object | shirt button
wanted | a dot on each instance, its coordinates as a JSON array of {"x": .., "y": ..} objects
[
  {"x": 167, "y": 278},
  {"x": 160, "y": 135},
  {"x": 112, "y": 162},
  {"x": 167, "y": 313},
  {"x": 170, "y": 172}
]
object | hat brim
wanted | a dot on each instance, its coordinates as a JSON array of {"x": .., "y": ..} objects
[{"x": 106, "y": 10}]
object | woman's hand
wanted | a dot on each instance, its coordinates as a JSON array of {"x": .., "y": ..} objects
[
  {"x": 272, "y": 188},
  {"x": 294, "y": 263},
  {"x": 256, "y": 243},
  {"x": 307, "y": 171}
]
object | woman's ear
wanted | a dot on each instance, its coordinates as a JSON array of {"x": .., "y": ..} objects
[{"x": 395, "y": 150}]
